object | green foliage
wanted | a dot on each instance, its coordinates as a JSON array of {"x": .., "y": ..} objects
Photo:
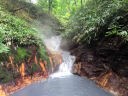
[
  {"x": 5, "y": 75},
  {"x": 16, "y": 38},
  {"x": 43, "y": 4},
  {"x": 16, "y": 30},
  {"x": 21, "y": 52},
  {"x": 96, "y": 19},
  {"x": 20, "y": 55},
  {"x": 3, "y": 48},
  {"x": 35, "y": 68},
  {"x": 43, "y": 53},
  {"x": 62, "y": 9}
]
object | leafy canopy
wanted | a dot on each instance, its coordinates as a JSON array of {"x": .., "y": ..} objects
[{"x": 98, "y": 18}]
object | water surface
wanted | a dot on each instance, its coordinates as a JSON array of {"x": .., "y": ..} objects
[{"x": 68, "y": 86}]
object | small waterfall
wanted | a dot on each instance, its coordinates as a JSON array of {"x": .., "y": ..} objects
[{"x": 65, "y": 68}]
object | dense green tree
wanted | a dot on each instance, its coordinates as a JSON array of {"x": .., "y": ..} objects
[
  {"x": 19, "y": 41},
  {"x": 97, "y": 18},
  {"x": 62, "y": 9}
]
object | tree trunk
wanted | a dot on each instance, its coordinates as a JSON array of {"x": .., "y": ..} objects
[
  {"x": 75, "y": 2},
  {"x": 81, "y": 2},
  {"x": 50, "y": 5}
]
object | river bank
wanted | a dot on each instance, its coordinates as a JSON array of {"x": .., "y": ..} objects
[
  {"x": 20, "y": 83},
  {"x": 97, "y": 68}
]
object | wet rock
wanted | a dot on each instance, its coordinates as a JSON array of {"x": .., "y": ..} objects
[
  {"x": 77, "y": 68},
  {"x": 107, "y": 67},
  {"x": 2, "y": 93},
  {"x": 55, "y": 58}
]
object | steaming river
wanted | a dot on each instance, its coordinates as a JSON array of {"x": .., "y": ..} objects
[{"x": 63, "y": 82}]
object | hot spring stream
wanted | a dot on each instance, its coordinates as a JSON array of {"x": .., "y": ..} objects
[{"x": 62, "y": 82}]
